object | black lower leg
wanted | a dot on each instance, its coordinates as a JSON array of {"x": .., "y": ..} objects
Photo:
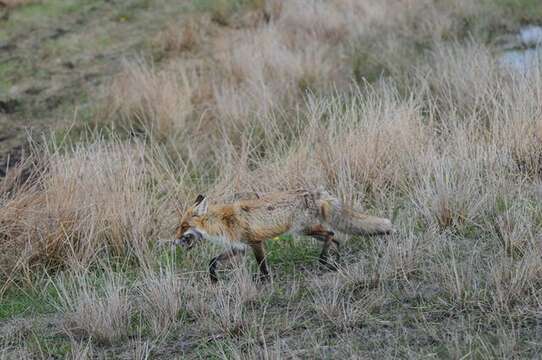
[
  {"x": 225, "y": 256},
  {"x": 337, "y": 248},
  {"x": 259, "y": 254},
  {"x": 324, "y": 255},
  {"x": 264, "y": 274},
  {"x": 212, "y": 269}
]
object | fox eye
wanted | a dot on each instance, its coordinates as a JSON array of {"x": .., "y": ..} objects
[{"x": 183, "y": 227}]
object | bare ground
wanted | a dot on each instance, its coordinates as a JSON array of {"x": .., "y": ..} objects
[{"x": 55, "y": 56}]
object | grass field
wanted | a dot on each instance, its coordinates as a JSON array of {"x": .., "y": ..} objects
[{"x": 403, "y": 108}]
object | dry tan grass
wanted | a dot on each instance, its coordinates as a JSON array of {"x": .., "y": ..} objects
[
  {"x": 448, "y": 145},
  {"x": 141, "y": 350},
  {"x": 89, "y": 202},
  {"x": 150, "y": 101},
  {"x": 227, "y": 307},
  {"x": 102, "y": 317},
  {"x": 374, "y": 143},
  {"x": 335, "y": 302},
  {"x": 162, "y": 299},
  {"x": 81, "y": 350},
  {"x": 178, "y": 38}
]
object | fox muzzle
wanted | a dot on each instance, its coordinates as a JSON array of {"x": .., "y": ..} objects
[{"x": 189, "y": 238}]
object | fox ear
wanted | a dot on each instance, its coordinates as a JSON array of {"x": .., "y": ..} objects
[
  {"x": 199, "y": 199},
  {"x": 201, "y": 207}
]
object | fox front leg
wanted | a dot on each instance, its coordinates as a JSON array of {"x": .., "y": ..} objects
[
  {"x": 225, "y": 256},
  {"x": 259, "y": 254},
  {"x": 329, "y": 244},
  {"x": 320, "y": 233}
]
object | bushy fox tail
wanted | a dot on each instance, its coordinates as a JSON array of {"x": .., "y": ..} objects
[{"x": 350, "y": 221}]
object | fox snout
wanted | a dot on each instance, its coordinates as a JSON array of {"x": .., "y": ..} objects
[{"x": 188, "y": 239}]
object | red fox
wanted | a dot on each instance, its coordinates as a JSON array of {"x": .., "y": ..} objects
[{"x": 248, "y": 223}]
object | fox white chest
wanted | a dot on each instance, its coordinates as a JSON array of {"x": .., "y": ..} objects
[{"x": 224, "y": 242}]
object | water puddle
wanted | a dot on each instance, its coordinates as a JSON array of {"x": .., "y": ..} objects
[
  {"x": 524, "y": 51},
  {"x": 530, "y": 35},
  {"x": 521, "y": 60}
]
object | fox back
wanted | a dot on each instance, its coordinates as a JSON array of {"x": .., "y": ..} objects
[{"x": 273, "y": 214}]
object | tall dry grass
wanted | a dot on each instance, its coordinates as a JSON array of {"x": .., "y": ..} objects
[
  {"x": 375, "y": 146},
  {"x": 162, "y": 300},
  {"x": 103, "y": 316},
  {"x": 162, "y": 109},
  {"x": 82, "y": 204},
  {"x": 447, "y": 144}
]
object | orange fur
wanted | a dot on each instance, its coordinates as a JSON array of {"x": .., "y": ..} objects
[{"x": 252, "y": 221}]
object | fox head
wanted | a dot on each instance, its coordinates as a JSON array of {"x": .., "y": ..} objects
[{"x": 187, "y": 233}]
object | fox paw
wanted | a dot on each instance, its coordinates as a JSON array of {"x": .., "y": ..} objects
[
  {"x": 261, "y": 278},
  {"x": 329, "y": 264}
]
